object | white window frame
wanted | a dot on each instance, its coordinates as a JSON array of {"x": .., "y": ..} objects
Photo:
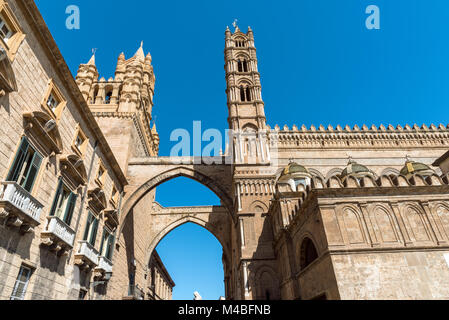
[
  {"x": 18, "y": 282},
  {"x": 10, "y": 31}
]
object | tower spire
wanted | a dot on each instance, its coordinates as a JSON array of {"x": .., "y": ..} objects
[
  {"x": 92, "y": 59},
  {"x": 140, "y": 55}
]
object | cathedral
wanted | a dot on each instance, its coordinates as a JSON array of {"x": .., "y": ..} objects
[{"x": 319, "y": 213}]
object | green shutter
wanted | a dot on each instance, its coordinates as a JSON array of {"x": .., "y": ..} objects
[
  {"x": 93, "y": 236},
  {"x": 108, "y": 248},
  {"x": 31, "y": 175},
  {"x": 102, "y": 241},
  {"x": 56, "y": 199},
  {"x": 111, "y": 246},
  {"x": 70, "y": 208},
  {"x": 86, "y": 231},
  {"x": 18, "y": 161}
]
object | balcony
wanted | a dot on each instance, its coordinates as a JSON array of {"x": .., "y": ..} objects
[
  {"x": 134, "y": 293},
  {"x": 104, "y": 266},
  {"x": 19, "y": 207},
  {"x": 58, "y": 235},
  {"x": 87, "y": 256}
]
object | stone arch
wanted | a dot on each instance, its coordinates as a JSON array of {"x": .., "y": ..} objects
[
  {"x": 171, "y": 174},
  {"x": 184, "y": 220},
  {"x": 245, "y": 83},
  {"x": 442, "y": 213},
  {"x": 390, "y": 172},
  {"x": 316, "y": 173},
  {"x": 351, "y": 220},
  {"x": 250, "y": 128},
  {"x": 307, "y": 252},
  {"x": 415, "y": 218},
  {"x": 333, "y": 173},
  {"x": 266, "y": 283},
  {"x": 383, "y": 224},
  {"x": 257, "y": 205}
]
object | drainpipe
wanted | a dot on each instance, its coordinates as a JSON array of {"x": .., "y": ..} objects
[{"x": 83, "y": 199}]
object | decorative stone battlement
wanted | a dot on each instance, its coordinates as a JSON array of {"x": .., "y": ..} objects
[
  {"x": 364, "y": 128},
  {"x": 383, "y": 137}
]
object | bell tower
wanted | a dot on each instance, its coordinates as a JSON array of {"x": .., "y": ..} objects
[
  {"x": 246, "y": 108},
  {"x": 244, "y": 91},
  {"x": 123, "y": 105}
]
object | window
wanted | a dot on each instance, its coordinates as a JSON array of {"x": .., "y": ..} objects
[
  {"x": 25, "y": 166},
  {"x": 242, "y": 65},
  {"x": 106, "y": 244},
  {"x": 240, "y": 43},
  {"x": 114, "y": 196},
  {"x": 108, "y": 97},
  {"x": 54, "y": 102},
  {"x": 101, "y": 175},
  {"x": 302, "y": 181},
  {"x": 90, "y": 234},
  {"x": 5, "y": 30},
  {"x": 21, "y": 284},
  {"x": 80, "y": 143},
  {"x": 64, "y": 203},
  {"x": 248, "y": 94},
  {"x": 308, "y": 253},
  {"x": 11, "y": 34},
  {"x": 245, "y": 94}
]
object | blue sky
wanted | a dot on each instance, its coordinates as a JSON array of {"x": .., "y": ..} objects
[{"x": 318, "y": 62}]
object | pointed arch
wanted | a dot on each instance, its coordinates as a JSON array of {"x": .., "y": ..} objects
[
  {"x": 267, "y": 284},
  {"x": 307, "y": 252},
  {"x": 182, "y": 221},
  {"x": 171, "y": 174}
]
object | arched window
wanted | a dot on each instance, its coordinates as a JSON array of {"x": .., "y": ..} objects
[
  {"x": 94, "y": 97},
  {"x": 308, "y": 253},
  {"x": 245, "y": 94},
  {"x": 242, "y": 94},
  {"x": 245, "y": 66},
  {"x": 248, "y": 94},
  {"x": 240, "y": 43},
  {"x": 240, "y": 65},
  {"x": 108, "y": 97}
]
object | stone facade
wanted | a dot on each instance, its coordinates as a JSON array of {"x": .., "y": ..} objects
[
  {"x": 306, "y": 213},
  {"x": 35, "y": 239},
  {"x": 160, "y": 283}
]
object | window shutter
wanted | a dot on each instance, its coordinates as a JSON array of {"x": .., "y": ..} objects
[
  {"x": 93, "y": 236},
  {"x": 86, "y": 231},
  {"x": 102, "y": 241},
  {"x": 70, "y": 208},
  {"x": 18, "y": 161},
  {"x": 55, "y": 200},
  {"x": 109, "y": 246},
  {"x": 30, "y": 177}
]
